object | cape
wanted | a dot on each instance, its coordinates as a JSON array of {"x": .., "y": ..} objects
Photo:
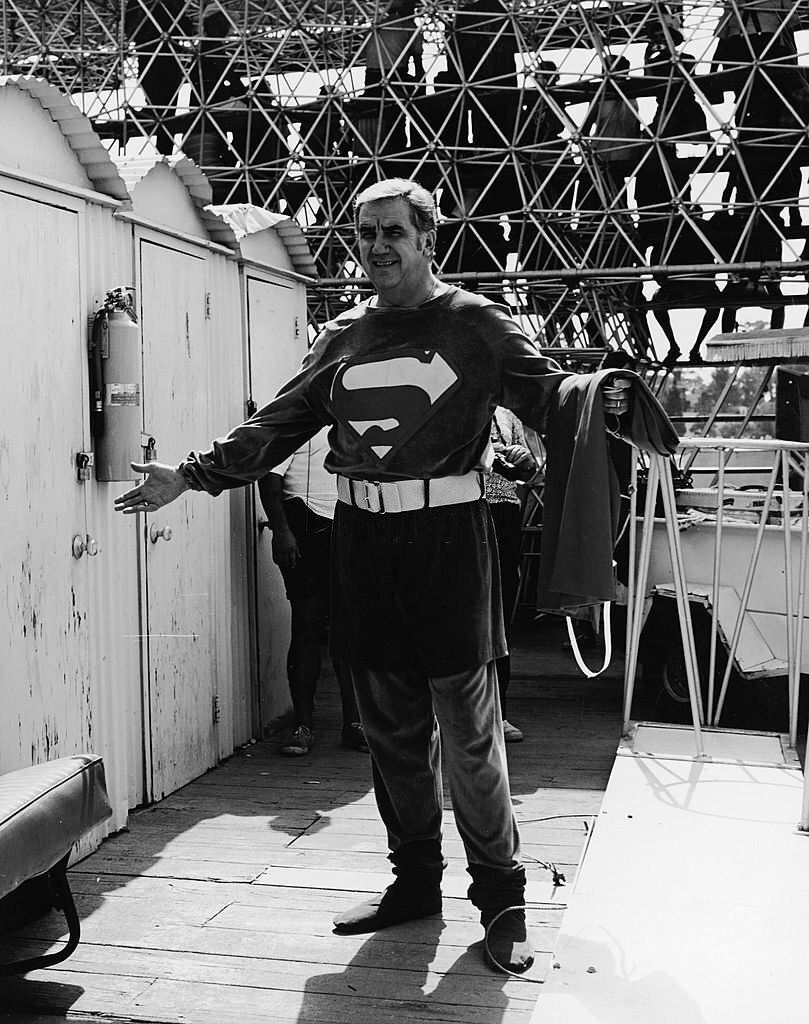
[{"x": 582, "y": 490}]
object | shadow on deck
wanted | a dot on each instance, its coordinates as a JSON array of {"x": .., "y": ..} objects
[{"x": 215, "y": 905}]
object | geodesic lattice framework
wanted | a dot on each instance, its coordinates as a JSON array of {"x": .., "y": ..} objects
[{"x": 571, "y": 144}]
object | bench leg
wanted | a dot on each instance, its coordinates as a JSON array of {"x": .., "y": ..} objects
[{"x": 64, "y": 900}]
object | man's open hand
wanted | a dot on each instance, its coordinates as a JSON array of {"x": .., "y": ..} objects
[{"x": 162, "y": 485}]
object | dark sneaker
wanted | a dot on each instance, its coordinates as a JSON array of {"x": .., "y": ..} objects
[
  {"x": 508, "y": 944},
  {"x": 354, "y": 738},
  {"x": 398, "y": 903},
  {"x": 299, "y": 743}
]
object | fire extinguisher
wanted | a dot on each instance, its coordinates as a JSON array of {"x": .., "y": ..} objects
[{"x": 115, "y": 374}]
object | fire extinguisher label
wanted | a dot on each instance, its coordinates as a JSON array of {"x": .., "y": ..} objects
[{"x": 122, "y": 394}]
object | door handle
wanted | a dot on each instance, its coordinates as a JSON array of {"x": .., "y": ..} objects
[{"x": 84, "y": 544}]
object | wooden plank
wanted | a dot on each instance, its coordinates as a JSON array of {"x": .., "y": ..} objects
[
  {"x": 364, "y": 871},
  {"x": 174, "y": 904},
  {"x": 192, "y": 845},
  {"x": 196, "y": 902},
  {"x": 210, "y": 805},
  {"x": 303, "y": 954},
  {"x": 244, "y": 917},
  {"x": 61, "y": 991},
  {"x": 537, "y": 890},
  {"x": 202, "y": 1004},
  {"x": 554, "y": 832},
  {"x": 399, "y": 981},
  {"x": 323, "y": 842},
  {"x": 544, "y": 800},
  {"x": 175, "y": 820},
  {"x": 213, "y": 870}
]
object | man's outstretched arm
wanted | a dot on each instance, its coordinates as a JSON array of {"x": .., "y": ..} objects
[{"x": 162, "y": 485}]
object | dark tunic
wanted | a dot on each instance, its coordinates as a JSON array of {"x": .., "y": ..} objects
[{"x": 409, "y": 394}]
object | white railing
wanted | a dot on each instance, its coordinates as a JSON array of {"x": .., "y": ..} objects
[{"x": 786, "y": 458}]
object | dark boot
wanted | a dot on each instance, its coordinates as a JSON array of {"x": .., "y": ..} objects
[
  {"x": 400, "y": 902},
  {"x": 508, "y": 944}
]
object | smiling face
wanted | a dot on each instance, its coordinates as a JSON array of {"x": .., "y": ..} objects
[{"x": 395, "y": 255}]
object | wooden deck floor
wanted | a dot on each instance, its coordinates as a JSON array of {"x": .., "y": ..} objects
[{"x": 215, "y": 906}]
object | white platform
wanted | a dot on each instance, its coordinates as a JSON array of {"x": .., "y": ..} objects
[{"x": 692, "y": 902}]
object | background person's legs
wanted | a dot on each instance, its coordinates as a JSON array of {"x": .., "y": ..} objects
[
  {"x": 352, "y": 734},
  {"x": 304, "y": 656},
  {"x": 307, "y": 587},
  {"x": 507, "y": 520}
]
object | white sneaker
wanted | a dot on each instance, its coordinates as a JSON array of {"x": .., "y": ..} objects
[{"x": 511, "y": 734}]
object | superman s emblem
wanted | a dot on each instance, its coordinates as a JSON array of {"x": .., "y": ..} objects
[{"x": 386, "y": 399}]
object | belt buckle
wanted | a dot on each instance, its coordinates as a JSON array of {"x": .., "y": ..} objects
[{"x": 374, "y": 487}]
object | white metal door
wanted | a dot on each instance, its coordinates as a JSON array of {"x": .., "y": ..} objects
[
  {"x": 44, "y": 589},
  {"x": 277, "y": 335},
  {"x": 180, "y": 666},
  {"x": 277, "y": 346}
]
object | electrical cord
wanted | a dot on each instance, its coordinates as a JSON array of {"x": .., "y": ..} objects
[
  {"x": 493, "y": 959},
  {"x": 558, "y": 880},
  {"x": 553, "y": 817}
]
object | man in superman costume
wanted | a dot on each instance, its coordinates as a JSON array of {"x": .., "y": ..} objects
[{"x": 408, "y": 382}]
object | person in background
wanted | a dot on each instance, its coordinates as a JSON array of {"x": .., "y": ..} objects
[
  {"x": 395, "y": 40},
  {"x": 299, "y": 498},
  {"x": 157, "y": 29},
  {"x": 513, "y": 465},
  {"x": 613, "y": 121}
]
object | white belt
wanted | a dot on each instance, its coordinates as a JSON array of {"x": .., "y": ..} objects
[{"x": 409, "y": 495}]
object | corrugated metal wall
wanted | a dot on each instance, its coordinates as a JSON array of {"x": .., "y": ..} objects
[{"x": 92, "y": 647}]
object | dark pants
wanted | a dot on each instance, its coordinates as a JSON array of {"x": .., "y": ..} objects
[
  {"x": 408, "y": 717},
  {"x": 307, "y": 587},
  {"x": 507, "y": 519}
]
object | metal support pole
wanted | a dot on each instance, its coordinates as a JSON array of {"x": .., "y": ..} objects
[
  {"x": 788, "y": 581},
  {"x": 683, "y": 606},
  {"x": 630, "y": 580},
  {"x": 798, "y": 655},
  {"x": 753, "y": 405},
  {"x": 631, "y": 664},
  {"x": 717, "y": 569},
  {"x": 708, "y": 424}
]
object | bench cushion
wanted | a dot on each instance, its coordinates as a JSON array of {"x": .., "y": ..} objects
[{"x": 44, "y": 810}]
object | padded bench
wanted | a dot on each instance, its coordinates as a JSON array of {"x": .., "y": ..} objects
[{"x": 44, "y": 811}]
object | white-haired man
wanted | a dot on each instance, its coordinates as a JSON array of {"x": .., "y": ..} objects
[{"x": 408, "y": 382}]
